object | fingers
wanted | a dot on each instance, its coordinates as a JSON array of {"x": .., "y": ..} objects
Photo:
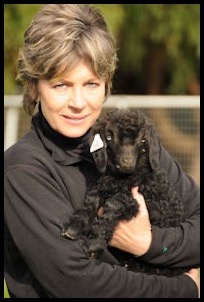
[
  {"x": 140, "y": 199},
  {"x": 134, "y": 191},
  {"x": 100, "y": 212}
]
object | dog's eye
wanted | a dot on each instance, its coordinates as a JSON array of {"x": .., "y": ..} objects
[{"x": 109, "y": 135}]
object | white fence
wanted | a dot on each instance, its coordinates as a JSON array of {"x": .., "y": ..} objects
[{"x": 12, "y": 104}]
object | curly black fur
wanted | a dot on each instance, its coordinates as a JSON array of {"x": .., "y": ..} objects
[{"x": 129, "y": 157}]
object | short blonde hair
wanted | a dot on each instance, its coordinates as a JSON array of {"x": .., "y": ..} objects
[{"x": 59, "y": 36}]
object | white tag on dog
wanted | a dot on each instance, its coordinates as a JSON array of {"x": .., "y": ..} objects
[{"x": 97, "y": 143}]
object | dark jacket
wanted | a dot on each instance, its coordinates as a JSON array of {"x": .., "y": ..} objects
[{"x": 46, "y": 178}]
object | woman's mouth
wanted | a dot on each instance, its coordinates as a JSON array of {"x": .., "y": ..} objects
[{"x": 74, "y": 119}]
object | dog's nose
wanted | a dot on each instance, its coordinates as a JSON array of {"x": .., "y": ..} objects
[{"x": 127, "y": 161}]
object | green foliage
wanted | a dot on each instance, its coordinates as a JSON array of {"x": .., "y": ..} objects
[
  {"x": 6, "y": 294},
  {"x": 175, "y": 27},
  {"x": 16, "y": 19}
]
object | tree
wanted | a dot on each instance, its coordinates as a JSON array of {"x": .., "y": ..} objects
[
  {"x": 159, "y": 49},
  {"x": 16, "y": 20}
]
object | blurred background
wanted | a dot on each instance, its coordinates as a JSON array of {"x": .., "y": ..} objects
[{"x": 159, "y": 56}]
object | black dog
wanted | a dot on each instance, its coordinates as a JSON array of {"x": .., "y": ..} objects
[{"x": 125, "y": 148}]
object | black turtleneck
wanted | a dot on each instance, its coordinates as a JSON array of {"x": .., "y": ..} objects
[{"x": 64, "y": 149}]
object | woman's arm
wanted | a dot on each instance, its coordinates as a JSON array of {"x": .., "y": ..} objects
[
  {"x": 179, "y": 246},
  {"x": 135, "y": 235}
]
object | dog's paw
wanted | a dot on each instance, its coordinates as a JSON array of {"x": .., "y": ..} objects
[
  {"x": 94, "y": 253},
  {"x": 96, "y": 248},
  {"x": 71, "y": 232}
]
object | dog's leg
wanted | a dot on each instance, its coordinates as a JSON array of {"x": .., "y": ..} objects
[
  {"x": 122, "y": 206},
  {"x": 80, "y": 222}
]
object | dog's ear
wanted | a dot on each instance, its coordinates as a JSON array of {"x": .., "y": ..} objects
[
  {"x": 154, "y": 147},
  {"x": 98, "y": 150}
]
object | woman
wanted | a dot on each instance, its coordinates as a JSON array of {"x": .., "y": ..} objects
[{"x": 66, "y": 65}]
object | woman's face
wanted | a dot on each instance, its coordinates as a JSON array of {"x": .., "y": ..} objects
[{"x": 72, "y": 105}]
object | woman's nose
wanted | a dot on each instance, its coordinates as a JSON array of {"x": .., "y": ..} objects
[{"x": 76, "y": 99}]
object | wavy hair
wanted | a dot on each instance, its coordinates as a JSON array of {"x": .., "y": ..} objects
[{"x": 59, "y": 36}]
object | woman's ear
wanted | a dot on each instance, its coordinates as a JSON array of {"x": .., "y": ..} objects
[{"x": 32, "y": 90}]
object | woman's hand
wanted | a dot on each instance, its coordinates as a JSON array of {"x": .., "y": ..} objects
[{"x": 134, "y": 236}]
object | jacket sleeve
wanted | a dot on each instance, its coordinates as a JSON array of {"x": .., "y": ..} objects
[
  {"x": 181, "y": 244},
  {"x": 34, "y": 210}
]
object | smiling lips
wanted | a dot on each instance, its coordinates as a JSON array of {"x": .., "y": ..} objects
[{"x": 75, "y": 119}]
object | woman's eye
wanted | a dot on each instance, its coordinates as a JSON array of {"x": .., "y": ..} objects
[
  {"x": 92, "y": 84},
  {"x": 143, "y": 141},
  {"x": 60, "y": 86}
]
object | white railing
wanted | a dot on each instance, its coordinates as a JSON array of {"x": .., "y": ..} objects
[{"x": 12, "y": 103}]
